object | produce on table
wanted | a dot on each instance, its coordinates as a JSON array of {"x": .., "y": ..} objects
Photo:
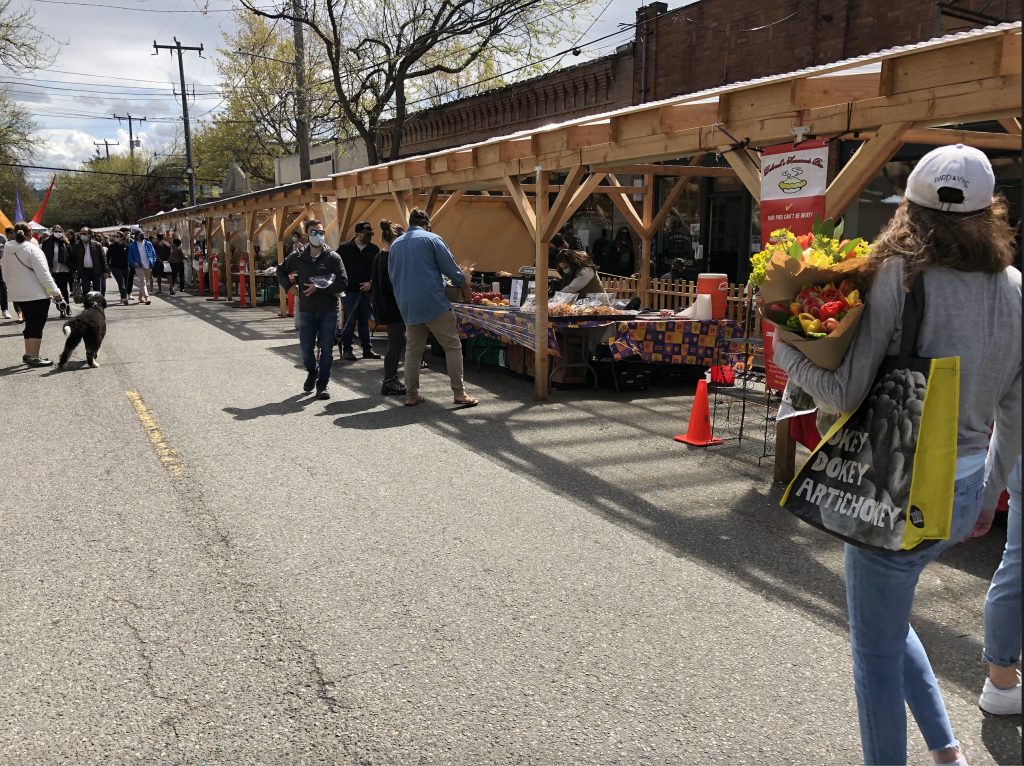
[
  {"x": 580, "y": 310},
  {"x": 817, "y": 310},
  {"x": 489, "y": 299}
]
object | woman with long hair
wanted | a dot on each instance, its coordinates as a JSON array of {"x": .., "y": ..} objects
[
  {"x": 952, "y": 233},
  {"x": 385, "y": 311},
  {"x": 579, "y": 273},
  {"x": 32, "y": 286}
]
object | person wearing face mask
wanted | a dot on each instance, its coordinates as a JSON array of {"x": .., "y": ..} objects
[
  {"x": 320, "y": 277},
  {"x": 117, "y": 260},
  {"x": 142, "y": 258},
  {"x": 58, "y": 258},
  {"x": 358, "y": 255},
  {"x": 90, "y": 263}
]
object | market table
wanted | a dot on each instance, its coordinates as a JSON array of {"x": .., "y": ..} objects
[{"x": 657, "y": 340}]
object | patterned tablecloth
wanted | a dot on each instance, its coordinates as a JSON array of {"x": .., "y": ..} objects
[
  {"x": 660, "y": 341},
  {"x": 674, "y": 341}
]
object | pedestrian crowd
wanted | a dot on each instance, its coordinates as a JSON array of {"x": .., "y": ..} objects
[{"x": 41, "y": 266}]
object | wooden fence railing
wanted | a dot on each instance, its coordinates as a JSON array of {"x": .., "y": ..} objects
[{"x": 679, "y": 294}]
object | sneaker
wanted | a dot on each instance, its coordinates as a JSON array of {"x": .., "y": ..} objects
[
  {"x": 1000, "y": 701},
  {"x": 6, "y": 314},
  {"x": 371, "y": 354},
  {"x": 348, "y": 356},
  {"x": 310, "y": 382},
  {"x": 322, "y": 392},
  {"x": 39, "y": 361},
  {"x": 392, "y": 388}
]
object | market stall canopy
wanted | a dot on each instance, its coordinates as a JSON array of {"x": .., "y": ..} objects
[{"x": 5, "y": 221}]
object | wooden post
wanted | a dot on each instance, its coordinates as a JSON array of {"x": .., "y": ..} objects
[
  {"x": 250, "y": 233},
  {"x": 540, "y": 340},
  {"x": 645, "y": 240},
  {"x": 226, "y": 259},
  {"x": 282, "y": 297}
]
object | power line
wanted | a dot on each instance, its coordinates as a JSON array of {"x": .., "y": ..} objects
[
  {"x": 111, "y": 77},
  {"x": 91, "y": 89},
  {"x": 102, "y": 172},
  {"x": 202, "y": 12}
]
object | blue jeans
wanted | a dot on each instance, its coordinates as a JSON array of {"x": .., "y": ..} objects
[
  {"x": 320, "y": 328},
  {"x": 357, "y": 312},
  {"x": 890, "y": 665},
  {"x": 1002, "y": 604}
]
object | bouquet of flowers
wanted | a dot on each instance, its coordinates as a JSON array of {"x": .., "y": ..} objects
[{"x": 817, "y": 278}]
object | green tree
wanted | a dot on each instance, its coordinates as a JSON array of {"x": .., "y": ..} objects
[
  {"x": 381, "y": 54},
  {"x": 258, "y": 122}
]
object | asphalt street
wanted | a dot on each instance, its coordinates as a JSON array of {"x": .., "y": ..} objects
[{"x": 201, "y": 565}]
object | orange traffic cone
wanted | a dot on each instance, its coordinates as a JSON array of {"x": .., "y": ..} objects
[
  {"x": 291, "y": 303},
  {"x": 698, "y": 434}
]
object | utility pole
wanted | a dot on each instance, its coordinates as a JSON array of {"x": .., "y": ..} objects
[
  {"x": 301, "y": 105},
  {"x": 106, "y": 144},
  {"x": 131, "y": 135},
  {"x": 189, "y": 170}
]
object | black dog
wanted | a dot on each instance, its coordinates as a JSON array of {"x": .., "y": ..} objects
[{"x": 90, "y": 325}]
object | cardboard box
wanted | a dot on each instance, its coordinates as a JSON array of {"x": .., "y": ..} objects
[{"x": 521, "y": 362}]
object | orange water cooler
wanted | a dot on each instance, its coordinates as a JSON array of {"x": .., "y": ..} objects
[{"x": 717, "y": 286}]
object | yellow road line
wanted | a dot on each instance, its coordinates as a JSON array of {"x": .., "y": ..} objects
[{"x": 169, "y": 459}]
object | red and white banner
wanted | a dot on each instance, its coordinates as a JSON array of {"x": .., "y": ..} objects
[{"x": 793, "y": 184}]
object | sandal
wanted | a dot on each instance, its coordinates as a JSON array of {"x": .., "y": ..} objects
[
  {"x": 466, "y": 403},
  {"x": 413, "y": 401}
]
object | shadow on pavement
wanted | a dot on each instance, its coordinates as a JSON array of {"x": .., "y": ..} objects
[{"x": 289, "y": 406}]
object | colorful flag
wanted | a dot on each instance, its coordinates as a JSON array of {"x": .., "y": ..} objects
[{"x": 38, "y": 217}]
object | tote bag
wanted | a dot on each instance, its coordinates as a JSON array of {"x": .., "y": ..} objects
[{"x": 883, "y": 475}]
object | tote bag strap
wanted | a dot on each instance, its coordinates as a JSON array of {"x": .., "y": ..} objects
[{"x": 913, "y": 318}]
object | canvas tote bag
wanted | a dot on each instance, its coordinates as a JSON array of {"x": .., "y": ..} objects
[{"x": 883, "y": 475}]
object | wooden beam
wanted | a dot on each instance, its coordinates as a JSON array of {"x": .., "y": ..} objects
[
  {"x": 811, "y": 92},
  {"x": 345, "y": 215},
  {"x": 447, "y": 206},
  {"x": 625, "y": 206},
  {"x": 302, "y": 216},
  {"x": 578, "y": 198},
  {"x": 976, "y": 138},
  {"x": 268, "y": 221},
  {"x": 522, "y": 205},
  {"x": 862, "y": 167},
  {"x": 1011, "y": 125},
  {"x": 250, "y": 252},
  {"x": 666, "y": 207},
  {"x": 568, "y": 188},
  {"x": 400, "y": 204},
  {"x": 690, "y": 171},
  {"x": 747, "y": 167},
  {"x": 431, "y": 199}
]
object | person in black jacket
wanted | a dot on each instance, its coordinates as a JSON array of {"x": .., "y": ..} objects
[
  {"x": 117, "y": 260},
  {"x": 58, "y": 258},
  {"x": 385, "y": 311},
  {"x": 358, "y": 255},
  {"x": 320, "y": 276},
  {"x": 90, "y": 262}
]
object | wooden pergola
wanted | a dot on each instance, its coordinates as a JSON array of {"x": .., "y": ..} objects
[{"x": 905, "y": 95}]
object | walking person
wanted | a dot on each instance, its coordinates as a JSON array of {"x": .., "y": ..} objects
[
  {"x": 320, "y": 277},
  {"x": 177, "y": 261},
  {"x": 3, "y": 285},
  {"x": 162, "y": 267},
  {"x": 417, "y": 264},
  {"x": 117, "y": 261},
  {"x": 9, "y": 237},
  {"x": 32, "y": 285},
  {"x": 386, "y": 311},
  {"x": 90, "y": 263},
  {"x": 950, "y": 232},
  {"x": 59, "y": 259},
  {"x": 358, "y": 255},
  {"x": 1001, "y": 693},
  {"x": 142, "y": 258}
]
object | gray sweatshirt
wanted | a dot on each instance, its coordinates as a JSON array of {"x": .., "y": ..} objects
[{"x": 972, "y": 315}]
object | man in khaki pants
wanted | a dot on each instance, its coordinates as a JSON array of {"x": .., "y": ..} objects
[{"x": 418, "y": 263}]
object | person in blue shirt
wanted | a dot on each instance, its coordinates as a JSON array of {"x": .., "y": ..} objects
[
  {"x": 141, "y": 258},
  {"x": 417, "y": 265}
]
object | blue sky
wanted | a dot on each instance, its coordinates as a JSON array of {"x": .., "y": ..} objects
[{"x": 103, "y": 64}]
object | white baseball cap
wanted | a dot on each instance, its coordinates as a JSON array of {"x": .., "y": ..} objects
[{"x": 953, "y": 179}]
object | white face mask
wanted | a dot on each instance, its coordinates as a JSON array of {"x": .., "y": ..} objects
[
  {"x": 316, "y": 238},
  {"x": 58, "y": 235},
  {"x": 84, "y": 237}
]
